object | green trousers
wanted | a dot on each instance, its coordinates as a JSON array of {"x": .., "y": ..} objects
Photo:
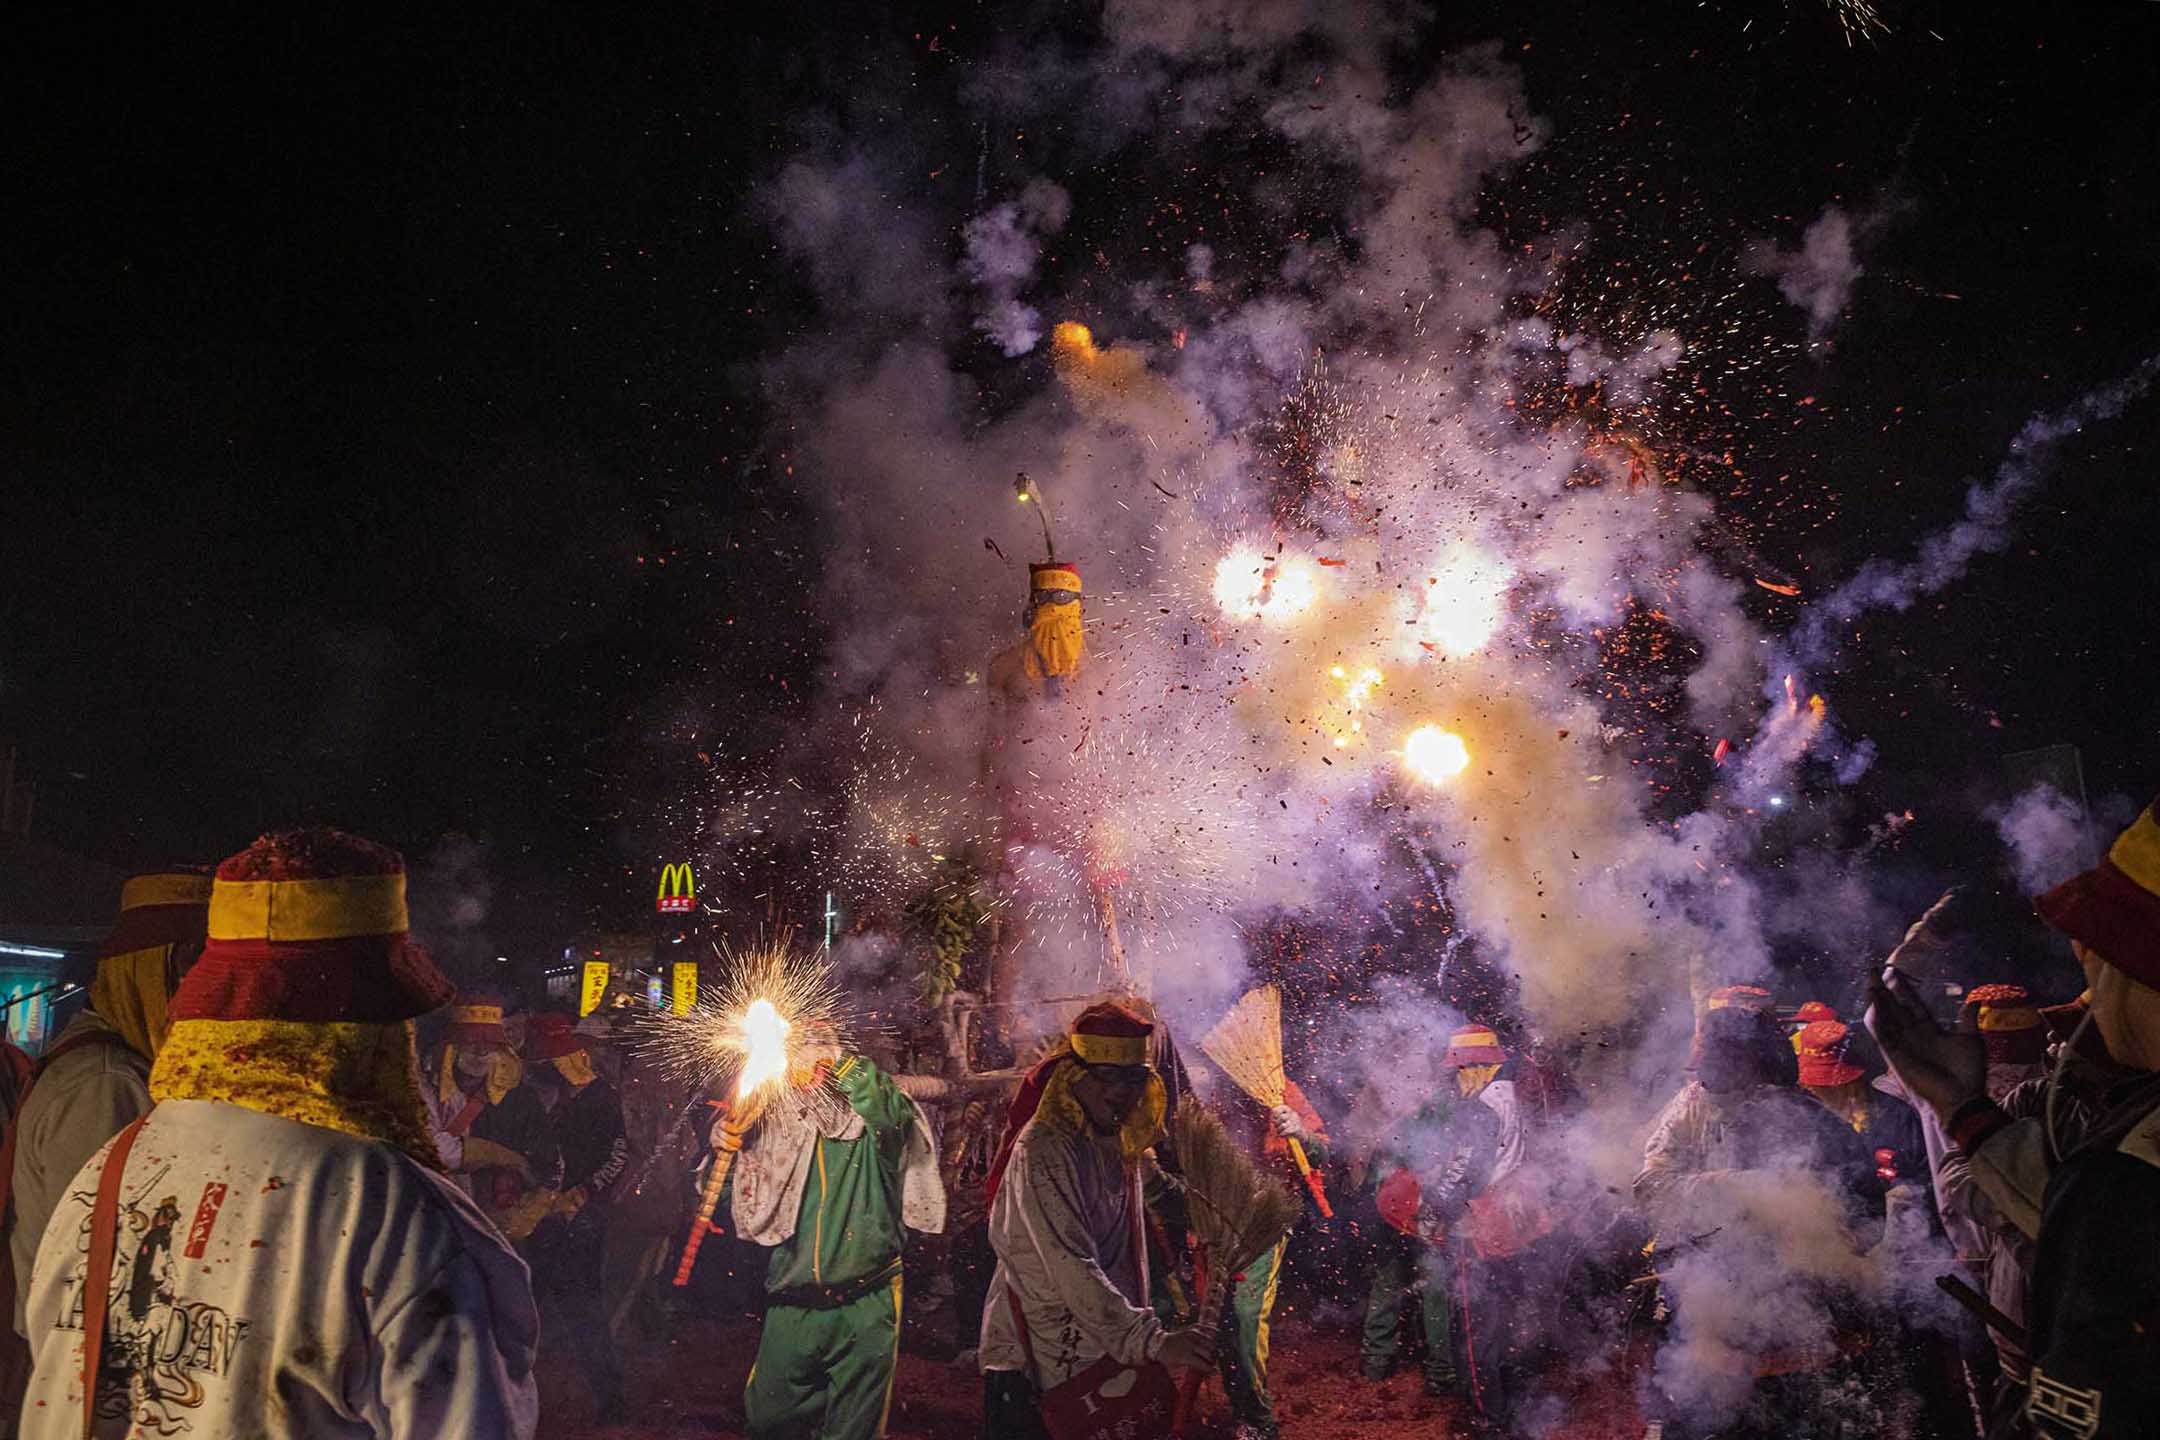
[
  {"x": 1245, "y": 1342},
  {"x": 826, "y": 1374},
  {"x": 1404, "y": 1265}
]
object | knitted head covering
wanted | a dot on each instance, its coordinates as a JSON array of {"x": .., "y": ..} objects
[
  {"x": 163, "y": 917},
  {"x": 302, "y": 1003},
  {"x": 2009, "y": 1023},
  {"x": 1110, "y": 1035},
  {"x": 1824, "y": 1049}
]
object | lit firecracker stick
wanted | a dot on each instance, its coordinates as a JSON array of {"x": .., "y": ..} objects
[{"x": 773, "y": 1001}]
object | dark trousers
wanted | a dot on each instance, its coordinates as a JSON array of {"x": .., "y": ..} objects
[
  {"x": 567, "y": 1263},
  {"x": 1010, "y": 1409},
  {"x": 973, "y": 1263}
]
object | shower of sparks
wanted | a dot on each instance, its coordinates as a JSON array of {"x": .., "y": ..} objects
[
  {"x": 1155, "y": 824},
  {"x": 1434, "y": 755},
  {"x": 1464, "y": 603},
  {"x": 1254, "y": 585},
  {"x": 745, "y": 1030}
]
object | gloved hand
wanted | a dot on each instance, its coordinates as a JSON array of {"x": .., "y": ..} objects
[{"x": 1286, "y": 1123}]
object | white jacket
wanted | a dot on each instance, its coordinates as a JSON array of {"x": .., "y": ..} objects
[
  {"x": 283, "y": 1281},
  {"x": 83, "y": 1099},
  {"x": 1064, "y": 1226}
]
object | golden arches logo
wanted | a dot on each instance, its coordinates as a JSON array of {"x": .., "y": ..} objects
[{"x": 678, "y": 889}]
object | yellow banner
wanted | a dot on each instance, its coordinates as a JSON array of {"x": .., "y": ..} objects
[
  {"x": 685, "y": 987},
  {"x": 593, "y": 988}
]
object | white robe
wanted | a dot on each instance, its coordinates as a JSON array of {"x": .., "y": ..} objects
[
  {"x": 82, "y": 1100},
  {"x": 1067, "y": 1228},
  {"x": 283, "y": 1281}
]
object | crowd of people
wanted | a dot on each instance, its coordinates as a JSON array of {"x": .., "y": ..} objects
[{"x": 245, "y": 1199}]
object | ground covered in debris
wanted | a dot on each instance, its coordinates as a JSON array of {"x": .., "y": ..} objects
[{"x": 688, "y": 1381}]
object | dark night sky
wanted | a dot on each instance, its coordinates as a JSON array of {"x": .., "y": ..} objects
[{"x": 359, "y": 378}]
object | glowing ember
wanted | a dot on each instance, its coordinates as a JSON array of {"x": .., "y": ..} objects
[
  {"x": 1358, "y": 685},
  {"x": 1435, "y": 755},
  {"x": 1276, "y": 588},
  {"x": 745, "y": 1032},
  {"x": 1074, "y": 339},
  {"x": 764, "y": 1042},
  {"x": 1464, "y": 603}
]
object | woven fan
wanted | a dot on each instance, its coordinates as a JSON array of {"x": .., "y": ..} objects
[{"x": 1246, "y": 1045}]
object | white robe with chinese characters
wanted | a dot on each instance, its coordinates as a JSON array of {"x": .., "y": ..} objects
[
  {"x": 1067, "y": 1226},
  {"x": 284, "y": 1281}
]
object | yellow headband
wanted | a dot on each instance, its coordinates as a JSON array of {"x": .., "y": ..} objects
[
  {"x": 1055, "y": 580},
  {"x": 1111, "y": 1049},
  {"x": 308, "y": 909},
  {"x": 2136, "y": 852},
  {"x": 476, "y": 1015}
]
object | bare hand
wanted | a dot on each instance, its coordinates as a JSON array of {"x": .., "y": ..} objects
[
  {"x": 1945, "y": 1068},
  {"x": 1191, "y": 1348}
]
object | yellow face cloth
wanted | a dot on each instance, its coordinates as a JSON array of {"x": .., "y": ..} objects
[
  {"x": 1470, "y": 1079},
  {"x": 361, "y": 1079},
  {"x": 129, "y": 990},
  {"x": 1055, "y": 644},
  {"x": 1142, "y": 1128},
  {"x": 576, "y": 1067}
]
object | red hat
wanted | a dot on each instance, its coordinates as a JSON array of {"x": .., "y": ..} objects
[
  {"x": 477, "y": 1019},
  {"x": 164, "y": 907},
  {"x": 310, "y": 925},
  {"x": 1811, "y": 1011},
  {"x": 1739, "y": 997},
  {"x": 2113, "y": 909},
  {"x": 1109, "y": 1033},
  {"x": 2009, "y": 1023},
  {"x": 1474, "y": 1045},
  {"x": 550, "y": 1035},
  {"x": 1823, "y": 1049},
  {"x": 1053, "y": 575}
]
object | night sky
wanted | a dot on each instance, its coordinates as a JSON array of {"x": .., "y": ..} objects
[{"x": 380, "y": 444}]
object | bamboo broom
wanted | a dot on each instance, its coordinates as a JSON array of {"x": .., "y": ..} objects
[
  {"x": 1237, "y": 1214},
  {"x": 1246, "y": 1045}
]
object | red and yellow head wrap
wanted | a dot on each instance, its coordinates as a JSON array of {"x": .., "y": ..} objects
[
  {"x": 2113, "y": 909},
  {"x": 303, "y": 1001}
]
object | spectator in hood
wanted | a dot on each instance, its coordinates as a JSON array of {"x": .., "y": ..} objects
[
  {"x": 272, "y": 1251},
  {"x": 2093, "y": 1311}
]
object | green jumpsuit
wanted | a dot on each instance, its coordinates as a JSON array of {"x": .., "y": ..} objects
[
  {"x": 1449, "y": 1144},
  {"x": 825, "y": 1362}
]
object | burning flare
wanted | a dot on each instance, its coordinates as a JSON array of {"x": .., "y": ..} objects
[
  {"x": 764, "y": 1042},
  {"x": 1434, "y": 755},
  {"x": 1464, "y": 603},
  {"x": 1276, "y": 588}
]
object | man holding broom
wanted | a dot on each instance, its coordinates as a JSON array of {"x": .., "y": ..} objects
[
  {"x": 1068, "y": 1320},
  {"x": 834, "y": 1171},
  {"x": 1272, "y": 1121}
]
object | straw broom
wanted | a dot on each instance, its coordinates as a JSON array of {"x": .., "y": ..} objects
[
  {"x": 1246, "y": 1045},
  {"x": 1237, "y": 1215}
]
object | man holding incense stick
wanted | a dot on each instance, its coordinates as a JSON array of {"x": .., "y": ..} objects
[{"x": 838, "y": 1167}]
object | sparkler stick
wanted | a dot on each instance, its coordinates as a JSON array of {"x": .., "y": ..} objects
[
  {"x": 775, "y": 1000},
  {"x": 1026, "y": 490},
  {"x": 730, "y": 1145}
]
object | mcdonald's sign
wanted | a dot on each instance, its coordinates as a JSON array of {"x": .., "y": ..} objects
[{"x": 678, "y": 889}]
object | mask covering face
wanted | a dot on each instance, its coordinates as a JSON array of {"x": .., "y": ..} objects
[{"x": 1056, "y": 645}]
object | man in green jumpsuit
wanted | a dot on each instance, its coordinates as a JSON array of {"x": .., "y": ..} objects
[
  {"x": 1425, "y": 1179},
  {"x": 859, "y": 1153}
]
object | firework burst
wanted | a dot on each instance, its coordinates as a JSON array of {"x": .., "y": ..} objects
[
  {"x": 1152, "y": 823},
  {"x": 771, "y": 1000}
]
